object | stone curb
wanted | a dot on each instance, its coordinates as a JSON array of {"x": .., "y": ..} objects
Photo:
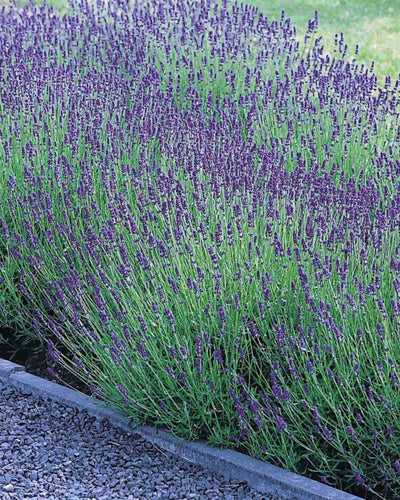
[{"x": 263, "y": 477}]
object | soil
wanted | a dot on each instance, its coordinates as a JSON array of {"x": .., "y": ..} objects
[
  {"x": 38, "y": 365},
  {"x": 37, "y": 362}
]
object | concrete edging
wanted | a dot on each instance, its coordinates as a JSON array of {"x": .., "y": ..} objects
[{"x": 263, "y": 477}]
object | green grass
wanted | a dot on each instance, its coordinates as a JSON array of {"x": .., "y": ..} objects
[{"x": 374, "y": 25}]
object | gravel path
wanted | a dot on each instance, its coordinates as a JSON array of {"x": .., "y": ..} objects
[{"x": 51, "y": 451}]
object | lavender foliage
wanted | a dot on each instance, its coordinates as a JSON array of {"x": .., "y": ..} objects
[{"x": 199, "y": 215}]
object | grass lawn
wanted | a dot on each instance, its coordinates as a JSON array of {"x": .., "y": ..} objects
[{"x": 374, "y": 25}]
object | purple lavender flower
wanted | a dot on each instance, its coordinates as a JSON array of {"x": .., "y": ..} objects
[
  {"x": 197, "y": 364},
  {"x": 123, "y": 390},
  {"x": 142, "y": 323},
  {"x": 316, "y": 417},
  {"x": 14, "y": 252},
  {"x": 184, "y": 379},
  {"x": 254, "y": 407},
  {"x": 266, "y": 290},
  {"x": 280, "y": 424},
  {"x": 173, "y": 352},
  {"x": 170, "y": 371},
  {"x": 173, "y": 285},
  {"x": 143, "y": 352},
  {"x": 380, "y": 331},
  {"x": 126, "y": 332},
  {"x": 96, "y": 391},
  {"x": 352, "y": 432},
  {"x": 292, "y": 367},
  {"x": 53, "y": 374},
  {"x": 327, "y": 433},
  {"x": 200, "y": 273},
  {"x": 253, "y": 330},
  {"x": 360, "y": 418},
  {"x": 52, "y": 351},
  {"x": 169, "y": 316},
  {"x": 183, "y": 351},
  {"x": 218, "y": 356},
  {"x": 115, "y": 356},
  {"x": 4, "y": 228},
  {"x": 310, "y": 367},
  {"x": 237, "y": 302},
  {"x": 358, "y": 477},
  {"x": 281, "y": 335},
  {"x": 222, "y": 315}
]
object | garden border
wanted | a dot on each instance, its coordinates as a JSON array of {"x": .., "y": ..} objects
[{"x": 263, "y": 477}]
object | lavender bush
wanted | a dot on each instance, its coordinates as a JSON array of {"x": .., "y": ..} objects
[{"x": 199, "y": 218}]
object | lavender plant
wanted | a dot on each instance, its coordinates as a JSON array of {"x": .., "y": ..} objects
[{"x": 199, "y": 218}]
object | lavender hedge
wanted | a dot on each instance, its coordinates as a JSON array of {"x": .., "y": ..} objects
[{"x": 199, "y": 217}]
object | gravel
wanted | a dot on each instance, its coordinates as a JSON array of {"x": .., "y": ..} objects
[{"x": 49, "y": 450}]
